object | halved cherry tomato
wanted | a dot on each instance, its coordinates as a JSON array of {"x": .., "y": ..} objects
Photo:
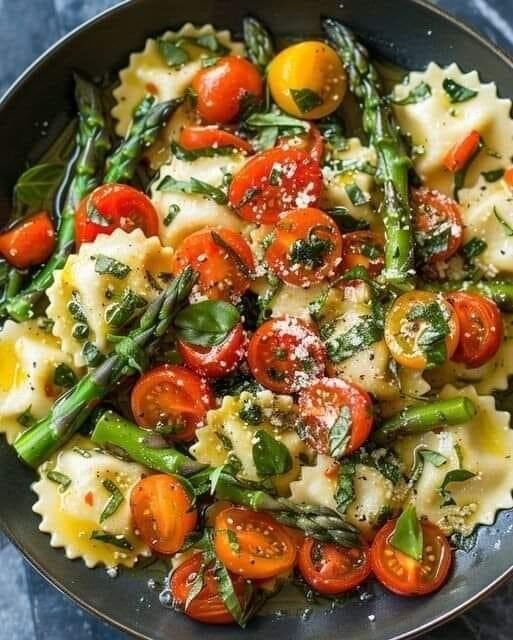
[
  {"x": 222, "y": 258},
  {"x": 285, "y": 355},
  {"x": 405, "y": 575},
  {"x": 508, "y": 177},
  {"x": 436, "y": 213},
  {"x": 194, "y": 138},
  {"x": 113, "y": 206},
  {"x": 320, "y": 406},
  {"x": 462, "y": 152},
  {"x": 30, "y": 242},
  {"x": 306, "y": 248},
  {"x": 363, "y": 249},
  {"x": 215, "y": 362},
  {"x": 331, "y": 569},
  {"x": 312, "y": 142},
  {"x": 162, "y": 512},
  {"x": 263, "y": 548},
  {"x": 207, "y": 606},
  {"x": 274, "y": 182},
  {"x": 223, "y": 88},
  {"x": 173, "y": 400},
  {"x": 406, "y": 334},
  {"x": 481, "y": 328}
]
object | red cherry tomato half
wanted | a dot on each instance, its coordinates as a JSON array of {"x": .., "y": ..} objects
[
  {"x": 194, "y": 138},
  {"x": 481, "y": 328},
  {"x": 273, "y": 182},
  {"x": 436, "y": 213},
  {"x": 207, "y": 606},
  {"x": 223, "y": 260},
  {"x": 313, "y": 142},
  {"x": 320, "y": 406},
  {"x": 405, "y": 575},
  {"x": 363, "y": 249},
  {"x": 30, "y": 242},
  {"x": 114, "y": 206},
  {"x": 218, "y": 361},
  {"x": 306, "y": 248},
  {"x": 172, "y": 400},
  {"x": 223, "y": 88},
  {"x": 285, "y": 355},
  {"x": 331, "y": 569}
]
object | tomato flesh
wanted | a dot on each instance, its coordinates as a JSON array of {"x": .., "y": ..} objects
[
  {"x": 30, "y": 242},
  {"x": 331, "y": 569},
  {"x": 195, "y": 138},
  {"x": 481, "y": 328},
  {"x": 306, "y": 248},
  {"x": 405, "y": 575},
  {"x": 114, "y": 206},
  {"x": 162, "y": 512},
  {"x": 172, "y": 400},
  {"x": 223, "y": 88},
  {"x": 274, "y": 182},
  {"x": 218, "y": 361},
  {"x": 313, "y": 142},
  {"x": 252, "y": 544},
  {"x": 363, "y": 249},
  {"x": 222, "y": 259},
  {"x": 285, "y": 355},
  {"x": 207, "y": 606}
]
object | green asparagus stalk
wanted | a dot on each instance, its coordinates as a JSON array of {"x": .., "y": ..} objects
[
  {"x": 393, "y": 163},
  {"x": 93, "y": 144},
  {"x": 258, "y": 41},
  {"x": 123, "y": 438},
  {"x": 148, "y": 119},
  {"x": 71, "y": 410},
  {"x": 426, "y": 417}
]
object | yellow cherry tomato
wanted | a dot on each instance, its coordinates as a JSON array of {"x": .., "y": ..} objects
[
  {"x": 412, "y": 326},
  {"x": 307, "y": 80}
]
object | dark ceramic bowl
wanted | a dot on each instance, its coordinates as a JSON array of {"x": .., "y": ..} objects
[{"x": 409, "y": 33}]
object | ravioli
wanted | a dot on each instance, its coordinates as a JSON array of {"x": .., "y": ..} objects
[{"x": 71, "y": 511}]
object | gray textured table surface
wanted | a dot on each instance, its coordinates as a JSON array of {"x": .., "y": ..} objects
[{"x": 30, "y": 609}]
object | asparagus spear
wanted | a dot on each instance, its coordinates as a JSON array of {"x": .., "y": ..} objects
[
  {"x": 426, "y": 417},
  {"x": 122, "y": 437},
  {"x": 258, "y": 41},
  {"x": 148, "y": 119},
  {"x": 393, "y": 163},
  {"x": 93, "y": 144},
  {"x": 72, "y": 409}
]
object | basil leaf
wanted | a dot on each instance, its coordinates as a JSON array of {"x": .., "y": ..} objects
[
  {"x": 345, "y": 493},
  {"x": 456, "y": 475},
  {"x": 172, "y": 52},
  {"x": 433, "y": 333},
  {"x": 306, "y": 100},
  {"x": 407, "y": 535},
  {"x": 234, "y": 384},
  {"x": 64, "y": 376},
  {"x": 117, "y": 541},
  {"x": 92, "y": 355},
  {"x": 422, "y": 456},
  {"x": 360, "y": 336},
  {"x": 173, "y": 211},
  {"x": 114, "y": 502},
  {"x": 251, "y": 412},
  {"x": 493, "y": 176},
  {"x": 76, "y": 309},
  {"x": 215, "y": 474},
  {"x": 233, "y": 541},
  {"x": 345, "y": 221},
  {"x": 473, "y": 248},
  {"x": 266, "y": 139},
  {"x": 26, "y": 419},
  {"x": 221, "y": 242},
  {"x": 271, "y": 457},
  {"x": 311, "y": 251},
  {"x": 207, "y": 152},
  {"x": 105, "y": 265},
  {"x": 119, "y": 314},
  {"x": 508, "y": 229},
  {"x": 192, "y": 186},
  {"x": 350, "y": 166},
  {"x": 433, "y": 243},
  {"x": 418, "y": 94},
  {"x": 59, "y": 478},
  {"x": 356, "y": 195},
  {"x": 340, "y": 433},
  {"x": 457, "y": 92},
  {"x": 196, "y": 587},
  {"x": 36, "y": 186},
  {"x": 207, "y": 323},
  {"x": 227, "y": 592},
  {"x": 275, "y": 119},
  {"x": 95, "y": 215}
]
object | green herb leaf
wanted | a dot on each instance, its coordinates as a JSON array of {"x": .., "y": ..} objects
[
  {"x": 345, "y": 221},
  {"x": 421, "y": 457},
  {"x": 306, "y": 100},
  {"x": 119, "y": 314},
  {"x": 457, "y": 92},
  {"x": 207, "y": 323},
  {"x": 227, "y": 593},
  {"x": 473, "y": 248},
  {"x": 76, "y": 308},
  {"x": 493, "y": 176},
  {"x": 26, "y": 419},
  {"x": 221, "y": 242},
  {"x": 356, "y": 195},
  {"x": 312, "y": 251},
  {"x": 64, "y": 376},
  {"x": 251, "y": 412},
  {"x": 117, "y": 541},
  {"x": 192, "y": 186},
  {"x": 433, "y": 332},
  {"x": 418, "y": 94},
  {"x": 340, "y": 433},
  {"x": 508, "y": 229},
  {"x": 196, "y": 587},
  {"x": 173, "y": 211},
  {"x": 434, "y": 242},
  {"x": 461, "y": 175},
  {"x": 173, "y": 52},
  {"x": 276, "y": 120},
  {"x": 114, "y": 502},
  {"x": 350, "y": 166},
  {"x": 215, "y": 474},
  {"x": 36, "y": 186},
  {"x": 407, "y": 535},
  {"x": 105, "y": 265},
  {"x": 207, "y": 152},
  {"x": 59, "y": 478},
  {"x": 92, "y": 355},
  {"x": 95, "y": 215},
  {"x": 456, "y": 475},
  {"x": 233, "y": 541},
  {"x": 345, "y": 493},
  {"x": 270, "y": 456},
  {"x": 360, "y": 336}
]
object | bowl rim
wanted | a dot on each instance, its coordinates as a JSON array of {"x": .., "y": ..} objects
[{"x": 16, "y": 86}]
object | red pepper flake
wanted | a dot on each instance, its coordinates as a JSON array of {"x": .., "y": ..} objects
[
  {"x": 332, "y": 470},
  {"x": 89, "y": 498},
  {"x": 152, "y": 88}
]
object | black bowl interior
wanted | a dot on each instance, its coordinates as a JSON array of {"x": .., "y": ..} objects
[{"x": 407, "y": 33}]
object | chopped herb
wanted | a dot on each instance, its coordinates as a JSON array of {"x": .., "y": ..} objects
[
  {"x": 360, "y": 336},
  {"x": 457, "y": 92},
  {"x": 36, "y": 186},
  {"x": 114, "y": 502},
  {"x": 508, "y": 229},
  {"x": 345, "y": 493},
  {"x": 118, "y": 541},
  {"x": 456, "y": 475},
  {"x": 80, "y": 331},
  {"x": 350, "y": 166},
  {"x": 192, "y": 186},
  {"x": 265, "y": 300},
  {"x": 434, "y": 242},
  {"x": 119, "y": 314},
  {"x": 234, "y": 384},
  {"x": 434, "y": 330},
  {"x": 276, "y": 120},
  {"x": 407, "y": 535},
  {"x": 64, "y": 376},
  {"x": 92, "y": 355},
  {"x": 270, "y": 456},
  {"x": 172, "y": 52},
  {"x": 251, "y": 412},
  {"x": 473, "y": 248},
  {"x": 493, "y": 176},
  {"x": 233, "y": 541},
  {"x": 207, "y": 323},
  {"x": 85, "y": 453},
  {"x": 306, "y": 100},
  {"x": 310, "y": 252},
  {"x": 76, "y": 309},
  {"x": 346, "y": 221},
  {"x": 207, "y": 152},
  {"x": 221, "y": 242},
  {"x": 111, "y": 266},
  {"x": 59, "y": 478},
  {"x": 173, "y": 211},
  {"x": 421, "y": 457},
  {"x": 340, "y": 433},
  {"x": 26, "y": 419},
  {"x": 418, "y": 94},
  {"x": 196, "y": 587},
  {"x": 227, "y": 592},
  {"x": 95, "y": 215},
  {"x": 356, "y": 195},
  {"x": 275, "y": 177}
]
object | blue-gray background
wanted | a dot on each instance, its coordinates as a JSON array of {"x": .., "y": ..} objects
[{"x": 30, "y": 609}]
